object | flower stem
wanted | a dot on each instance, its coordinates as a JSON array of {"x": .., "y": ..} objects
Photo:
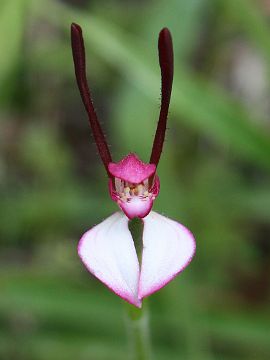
[
  {"x": 137, "y": 324},
  {"x": 137, "y": 320}
]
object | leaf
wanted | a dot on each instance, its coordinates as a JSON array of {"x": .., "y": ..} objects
[
  {"x": 12, "y": 24},
  {"x": 249, "y": 16}
]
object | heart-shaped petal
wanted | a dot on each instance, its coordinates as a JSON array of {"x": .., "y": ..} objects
[
  {"x": 168, "y": 248},
  {"x": 108, "y": 252}
]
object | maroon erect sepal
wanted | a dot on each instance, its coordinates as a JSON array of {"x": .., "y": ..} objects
[
  {"x": 78, "y": 53},
  {"x": 165, "y": 50}
]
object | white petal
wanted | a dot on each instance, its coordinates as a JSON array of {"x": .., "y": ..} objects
[
  {"x": 108, "y": 252},
  {"x": 168, "y": 247}
]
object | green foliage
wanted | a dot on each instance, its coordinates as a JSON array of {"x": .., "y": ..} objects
[
  {"x": 11, "y": 42},
  {"x": 214, "y": 175}
]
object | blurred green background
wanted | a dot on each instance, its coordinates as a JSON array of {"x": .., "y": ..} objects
[{"x": 214, "y": 173}]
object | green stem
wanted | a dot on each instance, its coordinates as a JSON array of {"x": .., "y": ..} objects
[
  {"x": 137, "y": 320},
  {"x": 137, "y": 324}
]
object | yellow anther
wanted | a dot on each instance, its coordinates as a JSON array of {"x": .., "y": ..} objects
[{"x": 140, "y": 189}]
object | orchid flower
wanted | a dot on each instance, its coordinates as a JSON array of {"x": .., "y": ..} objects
[{"x": 107, "y": 250}]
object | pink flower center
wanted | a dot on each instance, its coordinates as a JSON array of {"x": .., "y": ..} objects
[
  {"x": 133, "y": 185},
  {"x": 132, "y": 169},
  {"x": 127, "y": 191}
]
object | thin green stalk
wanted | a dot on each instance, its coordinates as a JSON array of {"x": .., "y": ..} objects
[
  {"x": 137, "y": 324},
  {"x": 137, "y": 320}
]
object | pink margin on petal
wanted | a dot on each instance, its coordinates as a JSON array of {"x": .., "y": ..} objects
[
  {"x": 160, "y": 286},
  {"x": 118, "y": 293}
]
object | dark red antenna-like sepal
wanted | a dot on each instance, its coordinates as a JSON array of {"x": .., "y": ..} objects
[
  {"x": 78, "y": 53},
  {"x": 165, "y": 51}
]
